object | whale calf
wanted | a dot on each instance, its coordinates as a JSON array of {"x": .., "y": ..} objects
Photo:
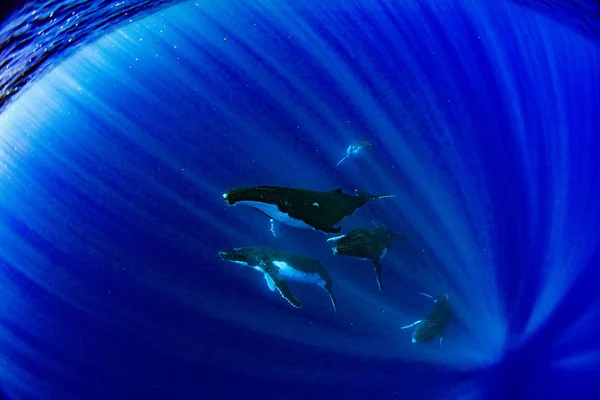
[
  {"x": 301, "y": 208},
  {"x": 368, "y": 244},
  {"x": 435, "y": 323},
  {"x": 279, "y": 267}
]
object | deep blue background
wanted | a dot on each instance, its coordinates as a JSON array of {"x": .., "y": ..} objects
[{"x": 484, "y": 124}]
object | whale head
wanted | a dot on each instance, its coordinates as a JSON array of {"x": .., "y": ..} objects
[
  {"x": 233, "y": 196},
  {"x": 260, "y": 194},
  {"x": 242, "y": 256}
]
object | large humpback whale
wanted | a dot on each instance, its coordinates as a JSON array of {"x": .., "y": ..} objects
[
  {"x": 300, "y": 207},
  {"x": 435, "y": 323},
  {"x": 279, "y": 267},
  {"x": 368, "y": 244}
]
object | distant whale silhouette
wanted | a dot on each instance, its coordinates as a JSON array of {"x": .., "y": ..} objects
[
  {"x": 279, "y": 267},
  {"x": 435, "y": 323},
  {"x": 367, "y": 244},
  {"x": 356, "y": 148},
  {"x": 301, "y": 208}
]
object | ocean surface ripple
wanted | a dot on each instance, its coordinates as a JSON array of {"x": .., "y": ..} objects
[{"x": 44, "y": 32}]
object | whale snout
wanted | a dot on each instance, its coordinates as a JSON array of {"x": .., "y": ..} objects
[
  {"x": 228, "y": 254},
  {"x": 239, "y": 256},
  {"x": 235, "y": 195},
  {"x": 227, "y": 196}
]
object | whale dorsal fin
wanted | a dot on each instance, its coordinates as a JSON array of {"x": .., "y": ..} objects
[{"x": 338, "y": 190}]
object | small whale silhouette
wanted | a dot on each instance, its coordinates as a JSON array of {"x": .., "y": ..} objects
[
  {"x": 367, "y": 244},
  {"x": 355, "y": 149},
  {"x": 435, "y": 323}
]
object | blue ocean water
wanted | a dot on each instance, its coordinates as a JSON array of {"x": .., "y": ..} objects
[{"x": 114, "y": 161}]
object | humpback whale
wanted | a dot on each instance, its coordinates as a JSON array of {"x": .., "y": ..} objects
[
  {"x": 435, "y": 323},
  {"x": 279, "y": 267},
  {"x": 367, "y": 244},
  {"x": 301, "y": 208},
  {"x": 356, "y": 148}
]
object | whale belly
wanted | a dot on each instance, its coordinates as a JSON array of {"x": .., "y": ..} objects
[
  {"x": 288, "y": 272},
  {"x": 272, "y": 211}
]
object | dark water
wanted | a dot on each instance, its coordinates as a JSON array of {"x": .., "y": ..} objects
[{"x": 114, "y": 162}]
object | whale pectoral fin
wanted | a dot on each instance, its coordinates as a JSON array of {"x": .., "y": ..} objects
[
  {"x": 370, "y": 196},
  {"x": 378, "y": 273},
  {"x": 284, "y": 290},
  {"x": 335, "y": 238},
  {"x": 411, "y": 325},
  {"x": 262, "y": 212},
  {"x": 270, "y": 282},
  {"x": 341, "y": 161},
  {"x": 329, "y": 289},
  {"x": 333, "y": 301}
]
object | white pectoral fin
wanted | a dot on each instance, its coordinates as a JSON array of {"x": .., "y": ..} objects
[
  {"x": 341, "y": 161},
  {"x": 270, "y": 282},
  {"x": 284, "y": 290},
  {"x": 411, "y": 325},
  {"x": 378, "y": 274},
  {"x": 331, "y": 239}
]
